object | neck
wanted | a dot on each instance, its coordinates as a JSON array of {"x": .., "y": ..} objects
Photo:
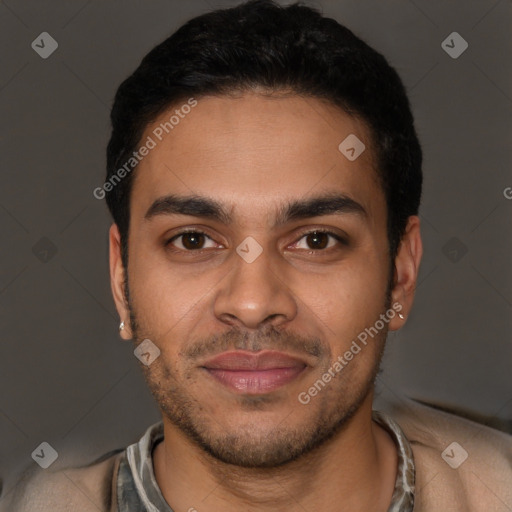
[{"x": 354, "y": 470}]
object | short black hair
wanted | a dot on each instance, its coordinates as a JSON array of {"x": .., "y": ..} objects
[{"x": 261, "y": 45}]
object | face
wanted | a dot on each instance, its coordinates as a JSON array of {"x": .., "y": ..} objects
[{"x": 258, "y": 254}]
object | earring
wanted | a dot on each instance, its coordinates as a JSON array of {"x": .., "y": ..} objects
[
  {"x": 401, "y": 316},
  {"x": 121, "y": 326}
]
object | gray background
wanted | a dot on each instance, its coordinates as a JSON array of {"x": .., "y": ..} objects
[{"x": 68, "y": 379}]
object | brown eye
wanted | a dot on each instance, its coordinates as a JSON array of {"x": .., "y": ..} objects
[
  {"x": 319, "y": 240},
  {"x": 191, "y": 240}
]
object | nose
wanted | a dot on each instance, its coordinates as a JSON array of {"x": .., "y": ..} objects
[{"x": 255, "y": 293}]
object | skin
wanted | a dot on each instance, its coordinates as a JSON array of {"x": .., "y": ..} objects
[{"x": 253, "y": 153}]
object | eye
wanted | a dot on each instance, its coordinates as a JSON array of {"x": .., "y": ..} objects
[
  {"x": 192, "y": 240},
  {"x": 318, "y": 239}
]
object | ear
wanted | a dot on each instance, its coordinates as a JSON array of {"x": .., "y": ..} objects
[
  {"x": 117, "y": 274},
  {"x": 407, "y": 264}
]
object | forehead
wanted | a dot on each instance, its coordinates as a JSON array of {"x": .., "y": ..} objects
[{"x": 253, "y": 152}]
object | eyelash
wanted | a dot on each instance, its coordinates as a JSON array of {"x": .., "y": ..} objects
[{"x": 337, "y": 237}]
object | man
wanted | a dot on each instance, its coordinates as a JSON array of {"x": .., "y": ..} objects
[{"x": 264, "y": 176}]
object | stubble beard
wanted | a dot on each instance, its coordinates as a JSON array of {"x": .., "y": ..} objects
[{"x": 248, "y": 447}]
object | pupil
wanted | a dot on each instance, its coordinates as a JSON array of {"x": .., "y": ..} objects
[
  {"x": 187, "y": 237},
  {"x": 314, "y": 237}
]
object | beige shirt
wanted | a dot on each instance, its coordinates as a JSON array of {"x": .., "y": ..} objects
[
  {"x": 459, "y": 466},
  {"x": 137, "y": 488}
]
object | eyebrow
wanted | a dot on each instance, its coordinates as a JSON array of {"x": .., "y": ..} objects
[{"x": 209, "y": 208}]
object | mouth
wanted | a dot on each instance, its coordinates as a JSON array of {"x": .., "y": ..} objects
[{"x": 254, "y": 373}]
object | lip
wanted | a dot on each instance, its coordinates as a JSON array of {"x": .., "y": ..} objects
[{"x": 254, "y": 372}]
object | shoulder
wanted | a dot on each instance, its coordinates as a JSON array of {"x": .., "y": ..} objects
[
  {"x": 86, "y": 488},
  {"x": 460, "y": 464}
]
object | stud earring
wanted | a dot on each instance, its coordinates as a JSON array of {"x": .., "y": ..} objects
[
  {"x": 121, "y": 326},
  {"x": 401, "y": 316}
]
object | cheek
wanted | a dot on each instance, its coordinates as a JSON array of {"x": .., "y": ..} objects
[
  {"x": 351, "y": 292},
  {"x": 162, "y": 294},
  {"x": 345, "y": 303}
]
